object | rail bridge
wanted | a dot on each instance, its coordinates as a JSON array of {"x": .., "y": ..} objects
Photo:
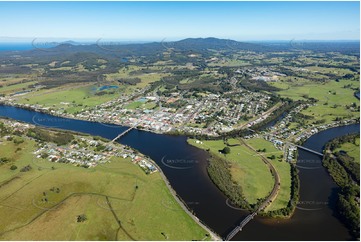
[
  {"x": 269, "y": 199},
  {"x": 240, "y": 226}
]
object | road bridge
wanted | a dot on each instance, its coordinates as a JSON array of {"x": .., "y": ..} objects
[
  {"x": 309, "y": 150},
  {"x": 123, "y": 133}
]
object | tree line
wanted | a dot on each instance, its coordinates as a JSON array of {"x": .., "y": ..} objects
[
  {"x": 218, "y": 170},
  {"x": 345, "y": 172},
  {"x": 46, "y": 136},
  {"x": 294, "y": 197}
]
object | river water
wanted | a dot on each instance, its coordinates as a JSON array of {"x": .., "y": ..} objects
[{"x": 185, "y": 168}]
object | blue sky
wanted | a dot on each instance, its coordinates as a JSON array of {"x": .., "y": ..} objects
[{"x": 176, "y": 20}]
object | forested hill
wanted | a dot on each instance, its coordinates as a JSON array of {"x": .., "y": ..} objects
[
  {"x": 199, "y": 45},
  {"x": 203, "y": 46}
]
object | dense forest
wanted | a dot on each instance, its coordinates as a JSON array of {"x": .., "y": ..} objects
[
  {"x": 60, "y": 138},
  {"x": 346, "y": 173},
  {"x": 218, "y": 170}
]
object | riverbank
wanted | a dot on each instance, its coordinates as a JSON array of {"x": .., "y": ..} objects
[
  {"x": 122, "y": 171},
  {"x": 214, "y": 235},
  {"x": 242, "y": 131},
  {"x": 190, "y": 181},
  {"x": 211, "y": 233},
  {"x": 343, "y": 165},
  {"x": 263, "y": 180}
]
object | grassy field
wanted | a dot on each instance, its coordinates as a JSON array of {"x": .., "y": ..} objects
[
  {"x": 146, "y": 78},
  {"x": 250, "y": 172},
  {"x": 134, "y": 105},
  {"x": 141, "y": 104},
  {"x": 70, "y": 99},
  {"x": 324, "y": 70},
  {"x": 283, "y": 168},
  {"x": 352, "y": 149},
  {"x": 13, "y": 79},
  {"x": 230, "y": 63},
  {"x": 15, "y": 88},
  {"x": 247, "y": 169},
  {"x": 142, "y": 203},
  {"x": 332, "y": 98},
  {"x": 150, "y": 105}
]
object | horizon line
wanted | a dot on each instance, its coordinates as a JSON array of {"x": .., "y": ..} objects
[{"x": 92, "y": 39}]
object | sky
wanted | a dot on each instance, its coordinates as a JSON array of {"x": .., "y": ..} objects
[{"x": 156, "y": 21}]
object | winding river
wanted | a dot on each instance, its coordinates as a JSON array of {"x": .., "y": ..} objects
[{"x": 185, "y": 168}]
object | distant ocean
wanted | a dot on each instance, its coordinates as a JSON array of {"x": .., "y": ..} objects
[{"x": 15, "y": 46}]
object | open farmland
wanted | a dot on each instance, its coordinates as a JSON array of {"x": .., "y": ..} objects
[{"x": 119, "y": 200}]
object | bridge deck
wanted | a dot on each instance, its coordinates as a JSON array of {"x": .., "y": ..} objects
[
  {"x": 122, "y": 134},
  {"x": 309, "y": 150},
  {"x": 241, "y": 225}
]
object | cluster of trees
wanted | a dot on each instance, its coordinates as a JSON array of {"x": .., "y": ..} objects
[
  {"x": 16, "y": 69},
  {"x": 218, "y": 170},
  {"x": 288, "y": 105},
  {"x": 349, "y": 209},
  {"x": 18, "y": 140},
  {"x": 178, "y": 75},
  {"x": 336, "y": 143},
  {"x": 348, "y": 76},
  {"x": 81, "y": 218},
  {"x": 199, "y": 83},
  {"x": 100, "y": 148},
  {"x": 300, "y": 116},
  {"x": 177, "y": 104},
  {"x": 55, "y": 189},
  {"x": 13, "y": 167},
  {"x": 199, "y": 86},
  {"x": 101, "y": 93},
  {"x": 60, "y": 78},
  {"x": 229, "y": 71},
  {"x": 236, "y": 133},
  {"x": 342, "y": 168},
  {"x": 346, "y": 173},
  {"x": 4, "y": 130},
  {"x": 4, "y": 160},
  {"x": 59, "y": 138},
  {"x": 349, "y": 164},
  {"x": 26, "y": 168},
  {"x": 226, "y": 150},
  {"x": 257, "y": 85},
  {"x": 130, "y": 81},
  {"x": 292, "y": 203}
]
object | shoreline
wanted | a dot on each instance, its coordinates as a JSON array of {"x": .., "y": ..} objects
[
  {"x": 213, "y": 235},
  {"x": 176, "y": 132},
  {"x": 272, "y": 194}
]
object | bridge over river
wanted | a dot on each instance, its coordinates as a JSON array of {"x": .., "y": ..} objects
[
  {"x": 123, "y": 133},
  {"x": 309, "y": 150},
  {"x": 288, "y": 142},
  {"x": 267, "y": 202},
  {"x": 273, "y": 193},
  {"x": 240, "y": 226}
]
